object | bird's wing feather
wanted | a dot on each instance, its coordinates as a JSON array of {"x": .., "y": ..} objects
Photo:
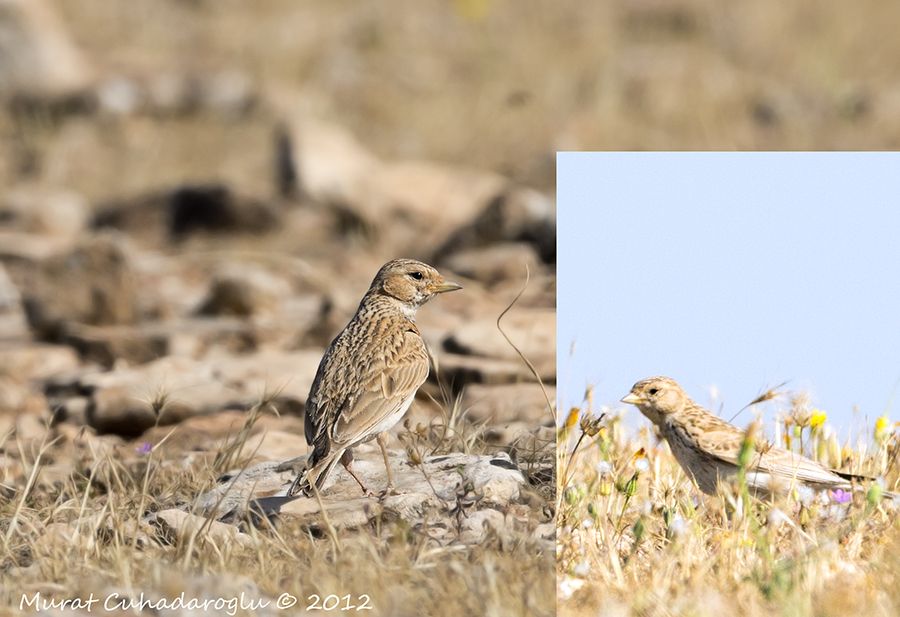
[
  {"x": 780, "y": 462},
  {"x": 390, "y": 382},
  {"x": 724, "y": 443},
  {"x": 318, "y": 403}
]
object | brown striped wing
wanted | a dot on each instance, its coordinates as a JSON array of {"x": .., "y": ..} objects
[
  {"x": 389, "y": 385},
  {"x": 724, "y": 443}
]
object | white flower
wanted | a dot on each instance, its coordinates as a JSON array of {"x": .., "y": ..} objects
[
  {"x": 582, "y": 569},
  {"x": 777, "y": 517},
  {"x": 837, "y": 512},
  {"x": 642, "y": 464},
  {"x": 604, "y": 468},
  {"x": 805, "y": 494},
  {"x": 569, "y": 586},
  {"x": 677, "y": 526}
]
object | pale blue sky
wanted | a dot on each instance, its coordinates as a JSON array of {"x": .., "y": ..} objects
[{"x": 733, "y": 270}]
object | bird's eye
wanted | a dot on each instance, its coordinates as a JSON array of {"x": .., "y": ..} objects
[
  {"x": 653, "y": 391},
  {"x": 416, "y": 275}
]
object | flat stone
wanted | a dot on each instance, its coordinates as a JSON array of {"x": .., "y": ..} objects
[
  {"x": 34, "y": 210},
  {"x": 30, "y": 247},
  {"x": 243, "y": 291},
  {"x": 327, "y": 164},
  {"x": 272, "y": 445},
  {"x": 343, "y": 514},
  {"x": 437, "y": 485},
  {"x": 496, "y": 263},
  {"x": 13, "y": 325},
  {"x": 38, "y": 58},
  {"x": 231, "y": 495},
  {"x": 460, "y": 370},
  {"x": 476, "y": 526},
  {"x": 92, "y": 284},
  {"x": 533, "y": 331},
  {"x": 499, "y": 404},
  {"x": 37, "y": 361},
  {"x": 516, "y": 214},
  {"x": 57, "y": 539},
  {"x": 190, "y": 336},
  {"x": 189, "y": 209},
  {"x": 185, "y": 527},
  {"x": 127, "y": 401}
]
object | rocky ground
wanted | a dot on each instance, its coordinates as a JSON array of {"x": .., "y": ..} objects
[{"x": 161, "y": 325}]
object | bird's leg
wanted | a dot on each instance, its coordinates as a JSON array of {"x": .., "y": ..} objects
[
  {"x": 295, "y": 484},
  {"x": 382, "y": 438},
  {"x": 347, "y": 461},
  {"x": 291, "y": 464}
]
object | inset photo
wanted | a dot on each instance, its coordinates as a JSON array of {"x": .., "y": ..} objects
[{"x": 729, "y": 367}]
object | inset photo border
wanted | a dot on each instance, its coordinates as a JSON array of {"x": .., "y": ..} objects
[{"x": 729, "y": 361}]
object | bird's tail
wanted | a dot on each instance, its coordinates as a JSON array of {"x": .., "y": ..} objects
[{"x": 315, "y": 474}]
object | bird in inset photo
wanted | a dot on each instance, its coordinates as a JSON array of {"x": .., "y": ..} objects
[
  {"x": 707, "y": 447},
  {"x": 370, "y": 373}
]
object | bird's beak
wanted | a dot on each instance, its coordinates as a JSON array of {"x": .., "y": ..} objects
[
  {"x": 632, "y": 399},
  {"x": 445, "y": 287}
]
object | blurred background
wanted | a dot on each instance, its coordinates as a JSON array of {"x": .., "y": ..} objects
[
  {"x": 188, "y": 184},
  {"x": 185, "y": 89}
]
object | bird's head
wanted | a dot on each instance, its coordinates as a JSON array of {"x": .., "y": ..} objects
[
  {"x": 657, "y": 397},
  {"x": 411, "y": 282}
]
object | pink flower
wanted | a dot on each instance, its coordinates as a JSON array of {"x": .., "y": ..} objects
[{"x": 839, "y": 495}]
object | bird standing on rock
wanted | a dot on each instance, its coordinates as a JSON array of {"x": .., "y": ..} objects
[
  {"x": 370, "y": 373},
  {"x": 708, "y": 448}
]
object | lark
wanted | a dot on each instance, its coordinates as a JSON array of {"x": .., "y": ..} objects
[
  {"x": 707, "y": 447},
  {"x": 370, "y": 373}
]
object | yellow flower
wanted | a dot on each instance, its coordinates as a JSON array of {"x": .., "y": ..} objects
[
  {"x": 640, "y": 461},
  {"x": 818, "y": 418},
  {"x": 475, "y": 10},
  {"x": 572, "y": 418},
  {"x": 882, "y": 428}
]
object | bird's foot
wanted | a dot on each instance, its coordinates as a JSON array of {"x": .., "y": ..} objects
[{"x": 388, "y": 491}]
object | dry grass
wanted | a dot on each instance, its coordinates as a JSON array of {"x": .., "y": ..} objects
[
  {"x": 95, "y": 517},
  {"x": 637, "y": 537}
]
